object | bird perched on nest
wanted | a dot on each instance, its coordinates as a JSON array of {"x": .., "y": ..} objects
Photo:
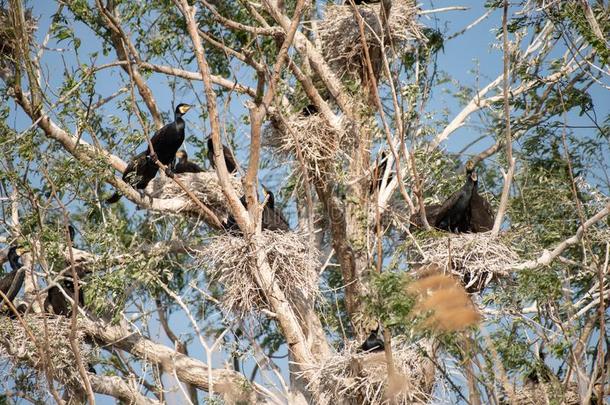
[
  {"x": 464, "y": 211},
  {"x": 12, "y": 282},
  {"x": 372, "y": 343},
  {"x": 184, "y": 165},
  {"x": 55, "y": 302},
  {"x": 481, "y": 213},
  {"x": 229, "y": 159},
  {"x": 165, "y": 142},
  {"x": 309, "y": 110},
  {"x": 272, "y": 219}
]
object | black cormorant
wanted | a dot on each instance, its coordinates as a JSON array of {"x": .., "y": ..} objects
[
  {"x": 184, "y": 165},
  {"x": 308, "y": 110},
  {"x": 372, "y": 343},
  {"x": 273, "y": 219},
  {"x": 166, "y": 142},
  {"x": 12, "y": 282},
  {"x": 481, "y": 213},
  {"x": 454, "y": 214},
  {"x": 229, "y": 159}
]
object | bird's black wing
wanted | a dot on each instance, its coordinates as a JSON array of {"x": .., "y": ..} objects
[
  {"x": 481, "y": 214},
  {"x": 11, "y": 283},
  {"x": 431, "y": 215},
  {"x": 444, "y": 209}
]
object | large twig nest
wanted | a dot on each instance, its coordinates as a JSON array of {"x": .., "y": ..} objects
[
  {"x": 362, "y": 378},
  {"x": 204, "y": 186},
  {"x": 309, "y": 138},
  {"x": 232, "y": 262},
  {"x": 475, "y": 258},
  {"x": 341, "y": 39},
  {"x": 53, "y": 342}
]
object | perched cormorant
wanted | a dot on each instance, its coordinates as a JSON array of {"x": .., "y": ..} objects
[
  {"x": 481, "y": 213},
  {"x": 308, "y": 110},
  {"x": 454, "y": 214},
  {"x": 229, "y": 159},
  {"x": 184, "y": 165},
  {"x": 273, "y": 219},
  {"x": 12, "y": 282},
  {"x": 465, "y": 211},
  {"x": 166, "y": 142},
  {"x": 55, "y": 302},
  {"x": 372, "y": 343}
]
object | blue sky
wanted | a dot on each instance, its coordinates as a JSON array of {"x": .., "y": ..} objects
[{"x": 460, "y": 58}]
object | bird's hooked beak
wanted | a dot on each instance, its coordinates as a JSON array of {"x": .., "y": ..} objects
[
  {"x": 20, "y": 251},
  {"x": 474, "y": 176},
  {"x": 184, "y": 108}
]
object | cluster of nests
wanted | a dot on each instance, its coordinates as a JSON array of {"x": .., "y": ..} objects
[
  {"x": 364, "y": 379},
  {"x": 46, "y": 335},
  {"x": 233, "y": 263}
]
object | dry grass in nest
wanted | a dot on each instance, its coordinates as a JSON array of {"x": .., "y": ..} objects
[
  {"x": 362, "y": 378},
  {"x": 204, "y": 185},
  {"x": 341, "y": 40},
  {"x": 475, "y": 258},
  {"x": 16, "y": 344},
  {"x": 232, "y": 263},
  {"x": 317, "y": 142}
]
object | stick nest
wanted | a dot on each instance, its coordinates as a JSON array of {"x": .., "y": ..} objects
[
  {"x": 17, "y": 345},
  {"x": 362, "y": 378},
  {"x": 232, "y": 262},
  {"x": 476, "y": 258},
  {"x": 341, "y": 39},
  {"x": 204, "y": 185},
  {"x": 311, "y": 137}
]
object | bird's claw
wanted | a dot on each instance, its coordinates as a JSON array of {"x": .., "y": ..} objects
[{"x": 169, "y": 173}]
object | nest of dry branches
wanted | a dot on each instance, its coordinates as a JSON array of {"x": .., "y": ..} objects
[
  {"x": 362, "y": 378},
  {"x": 52, "y": 334},
  {"x": 204, "y": 186},
  {"x": 475, "y": 258},
  {"x": 232, "y": 262},
  {"x": 310, "y": 139},
  {"x": 340, "y": 35}
]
